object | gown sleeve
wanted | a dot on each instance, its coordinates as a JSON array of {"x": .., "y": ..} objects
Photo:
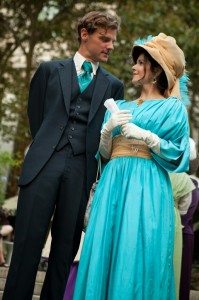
[{"x": 174, "y": 140}]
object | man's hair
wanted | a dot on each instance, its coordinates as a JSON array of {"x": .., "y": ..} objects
[{"x": 94, "y": 20}]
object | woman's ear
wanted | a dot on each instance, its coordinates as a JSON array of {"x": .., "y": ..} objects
[{"x": 158, "y": 71}]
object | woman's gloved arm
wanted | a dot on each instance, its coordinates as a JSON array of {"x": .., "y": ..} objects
[
  {"x": 132, "y": 131},
  {"x": 118, "y": 118}
]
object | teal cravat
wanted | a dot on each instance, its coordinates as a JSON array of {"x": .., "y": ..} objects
[{"x": 85, "y": 78}]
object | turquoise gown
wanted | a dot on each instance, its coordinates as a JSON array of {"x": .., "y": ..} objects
[{"x": 128, "y": 247}]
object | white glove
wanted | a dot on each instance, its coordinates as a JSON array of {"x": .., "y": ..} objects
[
  {"x": 117, "y": 118},
  {"x": 105, "y": 146},
  {"x": 6, "y": 230},
  {"x": 193, "y": 152},
  {"x": 132, "y": 131}
]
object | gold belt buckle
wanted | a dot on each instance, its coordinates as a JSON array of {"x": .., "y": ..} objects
[{"x": 135, "y": 150}]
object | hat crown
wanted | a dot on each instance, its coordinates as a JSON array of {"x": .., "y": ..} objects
[{"x": 171, "y": 53}]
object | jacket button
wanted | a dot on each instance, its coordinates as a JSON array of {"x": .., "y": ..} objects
[
  {"x": 70, "y": 136},
  {"x": 54, "y": 146},
  {"x": 61, "y": 127}
]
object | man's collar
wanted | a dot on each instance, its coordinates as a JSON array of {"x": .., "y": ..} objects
[{"x": 79, "y": 60}]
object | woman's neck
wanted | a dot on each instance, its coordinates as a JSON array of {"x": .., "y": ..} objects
[{"x": 150, "y": 92}]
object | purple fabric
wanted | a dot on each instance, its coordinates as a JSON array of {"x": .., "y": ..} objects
[
  {"x": 187, "y": 255},
  {"x": 187, "y": 219},
  {"x": 188, "y": 245},
  {"x": 68, "y": 295}
]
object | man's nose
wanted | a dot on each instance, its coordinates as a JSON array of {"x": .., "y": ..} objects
[{"x": 110, "y": 45}]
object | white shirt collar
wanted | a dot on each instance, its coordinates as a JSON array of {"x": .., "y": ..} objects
[{"x": 79, "y": 60}]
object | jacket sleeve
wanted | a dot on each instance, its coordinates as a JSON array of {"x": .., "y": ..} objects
[
  {"x": 119, "y": 92},
  {"x": 36, "y": 99}
]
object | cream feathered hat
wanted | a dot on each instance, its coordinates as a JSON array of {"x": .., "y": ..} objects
[{"x": 169, "y": 56}]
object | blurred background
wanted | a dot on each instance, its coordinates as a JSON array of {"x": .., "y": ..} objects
[{"x": 35, "y": 31}]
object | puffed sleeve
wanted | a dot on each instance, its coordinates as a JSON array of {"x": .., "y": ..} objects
[{"x": 174, "y": 139}]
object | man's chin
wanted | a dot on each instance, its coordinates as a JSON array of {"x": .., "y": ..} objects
[{"x": 104, "y": 58}]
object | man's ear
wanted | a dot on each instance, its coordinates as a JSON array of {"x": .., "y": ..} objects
[{"x": 84, "y": 35}]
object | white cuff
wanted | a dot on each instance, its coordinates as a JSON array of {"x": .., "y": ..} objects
[
  {"x": 105, "y": 146},
  {"x": 153, "y": 141}
]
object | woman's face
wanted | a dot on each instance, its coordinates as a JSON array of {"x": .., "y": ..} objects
[{"x": 142, "y": 73}]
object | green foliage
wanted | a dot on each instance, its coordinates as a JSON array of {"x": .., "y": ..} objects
[
  {"x": 141, "y": 18},
  {"x": 33, "y": 31},
  {"x": 6, "y": 161}
]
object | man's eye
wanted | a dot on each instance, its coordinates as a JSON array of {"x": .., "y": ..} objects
[{"x": 104, "y": 39}]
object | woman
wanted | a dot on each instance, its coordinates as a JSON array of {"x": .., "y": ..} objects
[{"x": 128, "y": 247}]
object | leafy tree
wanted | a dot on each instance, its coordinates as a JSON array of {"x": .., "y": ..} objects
[
  {"x": 6, "y": 161},
  {"x": 179, "y": 19},
  {"x": 28, "y": 24},
  {"x": 31, "y": 30}
]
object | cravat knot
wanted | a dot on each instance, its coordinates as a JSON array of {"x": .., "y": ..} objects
[
  {"x": 87, "y": 67},
  {"x": 85, "y": 78}
]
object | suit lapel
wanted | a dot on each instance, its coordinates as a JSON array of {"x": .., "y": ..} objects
[
  {"x": 65, "y": 74},
  {"x": 101, "y": 86}
]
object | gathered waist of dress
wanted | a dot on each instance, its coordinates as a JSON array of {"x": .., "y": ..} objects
[{"x": 129, "y": 147}]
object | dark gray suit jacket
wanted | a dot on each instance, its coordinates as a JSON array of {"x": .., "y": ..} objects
[{"x": 48, "y": 111}]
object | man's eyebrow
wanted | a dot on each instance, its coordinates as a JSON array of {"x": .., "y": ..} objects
[{"x": 102, "y": 36}]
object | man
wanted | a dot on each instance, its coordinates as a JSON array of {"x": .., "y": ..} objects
[{"x": 65, "y": 111}]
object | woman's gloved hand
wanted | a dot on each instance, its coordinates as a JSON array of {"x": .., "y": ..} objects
[
  {"x": 132, "y": 131},
  {"x": 118, "y": 118}
]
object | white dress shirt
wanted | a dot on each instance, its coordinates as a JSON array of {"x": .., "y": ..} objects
[{"x": 79, "y": 60}]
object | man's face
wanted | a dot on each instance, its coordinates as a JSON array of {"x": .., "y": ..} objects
[{"x": 98, "y": 45}]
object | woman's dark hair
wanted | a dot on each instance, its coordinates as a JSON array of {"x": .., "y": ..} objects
[
  {"x": 161, "y": 80},
  {"x": 94, "y": 20},
  {"x": 3, "y": 216}
]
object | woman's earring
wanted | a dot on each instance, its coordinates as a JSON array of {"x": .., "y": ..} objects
[{"x": 154, "y": 80}]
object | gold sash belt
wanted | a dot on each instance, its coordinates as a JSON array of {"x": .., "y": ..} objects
[{"x": 129, "y": 147}]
